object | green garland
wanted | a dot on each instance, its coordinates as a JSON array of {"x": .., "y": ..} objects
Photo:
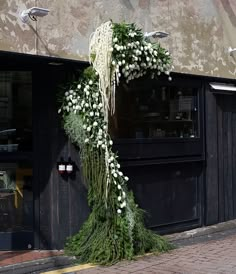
[{"x": 115, "y": 228}]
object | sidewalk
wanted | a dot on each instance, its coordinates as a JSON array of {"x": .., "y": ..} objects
[{"x": 192, "y": 246}]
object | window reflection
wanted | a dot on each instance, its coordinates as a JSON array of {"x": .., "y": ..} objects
[
  {"x": 16, "y": 197},
  {"x": 156, "y": 112},
  {"x": 15, "y": 111}
]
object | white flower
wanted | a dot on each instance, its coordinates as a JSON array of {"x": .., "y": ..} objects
[
  {"x": 88, "y": 129},
  {"x": 112, "y": 165},
  {"x": 79, "y": 86},
  {"x": 103, "y": 146},
  {"x": 119, "y": 198},
  {"x": 59, "y": 110},
  {"x": 91, "y": 113},
  {"x": 90, "y": 82},
  {"x": 111, "y": 158},
  {"x": 94, "y": 106},
  {"x": 86, "y": 140},
  {"x": 99, "y": 143},
  {"x": 69, "y": 104},
  {"x": 123, "y": 204},
  {"x": 115, "y": 40},
  {"x": 119, "y": 63},
  {"x": 170, "y": 78},
  {"x": 123, "y": 62},
  {"x": 113, "y": 63},
  {"x": 118, "y": 165},
  {"x": 87, "y": 105},
  {"x": 123, "y": 193},
  {"x": 95, "y": 124},
  {"x": 126, "y": 178},
  {"x": 71, "y": 91},
  {"x": 119, "y": 186},
  {"x": 111, "y": 142},
  {"x": 119, "y": 211},
  {"x": 66, "y": 93},
  {"x": 115, "y": 175},
  {"x": 84, "y": 127},
  {"x": 120, "y": 173},
  {"x": 100, "y": 105}
]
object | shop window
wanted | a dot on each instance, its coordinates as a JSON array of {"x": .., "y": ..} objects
[
  {"x": 16, "y": 197},
  {"x": 15, "y": 111},
  {"x": 155, "y": 111}
]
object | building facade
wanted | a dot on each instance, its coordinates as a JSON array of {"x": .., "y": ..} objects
[{"x": 175, "y": 140}]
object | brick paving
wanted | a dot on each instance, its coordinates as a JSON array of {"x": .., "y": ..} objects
[
  {"x": 215, "y": 256},
  {"x": 15, "y": 257}
]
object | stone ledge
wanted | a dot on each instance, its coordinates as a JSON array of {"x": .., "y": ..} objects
[
  {"x": 202, "y": 231},
  {"x": 37, "y": 266}
]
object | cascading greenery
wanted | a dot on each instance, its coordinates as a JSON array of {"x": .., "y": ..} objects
[{"x": 115, "y": 228}]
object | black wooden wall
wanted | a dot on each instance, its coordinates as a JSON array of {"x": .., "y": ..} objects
[
  {"x": 61, "y": 202},
  {"x": 171, "y": 194},
  {"x": 221, "y": 157}
]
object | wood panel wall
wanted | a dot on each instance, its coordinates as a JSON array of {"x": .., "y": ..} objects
[{"x": 221, "y": 157}]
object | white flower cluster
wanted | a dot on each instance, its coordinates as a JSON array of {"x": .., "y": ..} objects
[
  {"x": 119, "y": 180},
  {"x": 85, "y": 100},
  {"x": 137, "y": 58},
  {"x": 132, "y": 57}
]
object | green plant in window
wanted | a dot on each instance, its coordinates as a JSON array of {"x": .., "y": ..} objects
[{"x": 115, "y": 228}]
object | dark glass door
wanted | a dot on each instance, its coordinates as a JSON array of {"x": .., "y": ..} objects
[{"x": 16, "y": 184}]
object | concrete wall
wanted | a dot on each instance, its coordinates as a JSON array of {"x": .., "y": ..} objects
[{"x": 201, "y": 31}]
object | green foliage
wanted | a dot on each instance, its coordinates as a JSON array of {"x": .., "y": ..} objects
[{"x": 115, "y": 228}]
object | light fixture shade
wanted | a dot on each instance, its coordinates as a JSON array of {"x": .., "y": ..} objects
[{"x": 222, "y": 88}]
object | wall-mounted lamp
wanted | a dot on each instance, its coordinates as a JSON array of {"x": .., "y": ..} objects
[
  {"x": 69, "y": 168},
  {"x": 231, "y": 51},
  {"x": 61, "y": 167},
  {"x": 65, "y": 167},
  {"x": 33, "y": 13},
  {"x": 156, "y": 34}
]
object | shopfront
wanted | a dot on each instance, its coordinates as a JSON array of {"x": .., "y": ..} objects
[
  {"x": 159, "y": 132},
  {"x": 175, "y": 141},
  {"x": 32, "y": 211}
]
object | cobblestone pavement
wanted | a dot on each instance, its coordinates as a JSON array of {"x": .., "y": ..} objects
[{"x": 215, "y": 256}]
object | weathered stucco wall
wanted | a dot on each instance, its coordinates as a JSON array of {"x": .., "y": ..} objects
[{"x": 201, "y": 31}]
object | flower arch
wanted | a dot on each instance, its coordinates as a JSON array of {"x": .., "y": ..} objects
[{"x": 114, "y": 229}]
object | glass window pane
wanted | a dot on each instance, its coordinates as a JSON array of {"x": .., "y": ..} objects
[
  {"x": 15, "y": 111},
  {"x": 156, "y": 112},
  {"x": 16, "y": 197}
]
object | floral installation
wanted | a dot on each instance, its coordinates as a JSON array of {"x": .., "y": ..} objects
[{"x": 114, "y": 229}]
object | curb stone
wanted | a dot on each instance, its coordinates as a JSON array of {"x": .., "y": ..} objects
[{"x": 37, "y": 266}]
